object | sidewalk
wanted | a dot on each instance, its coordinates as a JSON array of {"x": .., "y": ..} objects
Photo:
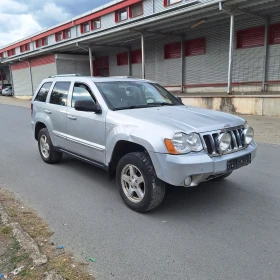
[
  {"x": 14, "y": 101},
  {"x": 267, "y": 129}
]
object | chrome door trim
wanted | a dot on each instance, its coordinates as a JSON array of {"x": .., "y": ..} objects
[{"x": 85, "y": 143}]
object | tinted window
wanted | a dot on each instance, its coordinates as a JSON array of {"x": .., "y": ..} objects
[
  {"x": 43, "y": 92},
  {"x": 60, "y": 93},
  {"x": 81, "y": 92}
]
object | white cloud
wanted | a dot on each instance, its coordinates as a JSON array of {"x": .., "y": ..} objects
[
  {"x": 13, "y": 7},
  {"x": 19, "y": 27},
  {"x": 52, "y": 12}
]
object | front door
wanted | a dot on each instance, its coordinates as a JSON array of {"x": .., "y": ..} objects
[{"x": 85, "y": 130}]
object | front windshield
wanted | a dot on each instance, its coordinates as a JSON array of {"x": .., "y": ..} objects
[{"x": 130, "y": 94}]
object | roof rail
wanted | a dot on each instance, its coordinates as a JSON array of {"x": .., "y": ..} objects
[{"x": 65, "y": 75}]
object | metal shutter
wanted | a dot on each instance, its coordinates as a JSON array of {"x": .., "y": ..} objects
[
  {"x": 21, "y": 79},
  {"x": 136, "y": 56},
  {"x": 172, "y": 50},
  {"x": 195, "y": 47},
  {"x": 41, "y": 68},
  {"x": 122, "y": 58},
  {"x": 253, "y": 37}
]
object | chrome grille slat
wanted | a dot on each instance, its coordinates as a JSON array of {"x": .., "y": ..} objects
[
  {"x": 213, "y": 144},
  {"x": 238, "y": 137},
  {"x": 209, "y": 140},
  {"x": 235, "y": 147}
]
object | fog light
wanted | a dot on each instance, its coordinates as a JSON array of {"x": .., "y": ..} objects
[{"x": 188, "y": 181}]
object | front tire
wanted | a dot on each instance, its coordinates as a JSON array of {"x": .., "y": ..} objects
[
  {"x": 138, "y": 184},
  {"x": 46, "y": 149}
]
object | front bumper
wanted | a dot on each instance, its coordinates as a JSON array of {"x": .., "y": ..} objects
[{"x": 174, "y": 169}]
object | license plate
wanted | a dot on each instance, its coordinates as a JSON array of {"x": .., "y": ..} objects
[{"x": 238, "y": 162}]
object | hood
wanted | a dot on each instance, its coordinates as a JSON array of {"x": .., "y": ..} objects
[{"x": 183, "y": 118}]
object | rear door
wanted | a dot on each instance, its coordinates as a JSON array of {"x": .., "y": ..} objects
[
  {"x": 56, "y": 109},
  {"x": 85, "y": 130}
]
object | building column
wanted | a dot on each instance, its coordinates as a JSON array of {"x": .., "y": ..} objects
[
  {"x": 265, "y": 54},
  {"x": 143, "y": 55},
  {"x": 31, "y": 78},
  {"x": 230, "y": 63},
  {"x": 129, "y": 62},
  {"x": 90, "y": 61},
  {"x": 182, "y": 63}
]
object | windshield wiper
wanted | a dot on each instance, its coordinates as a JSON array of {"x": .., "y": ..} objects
[
  {"x": 131, "y": 107},
  {"x": 162, "y": 104}
]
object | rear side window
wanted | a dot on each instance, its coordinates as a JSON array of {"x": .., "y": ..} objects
[
  {"x": 43, "y": 92},
  {"x": 60, "y": 93}
]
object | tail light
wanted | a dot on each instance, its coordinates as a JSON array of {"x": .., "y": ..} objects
[{"x": 31, "y": 109}]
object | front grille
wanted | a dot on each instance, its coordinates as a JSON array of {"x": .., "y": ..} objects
[{"x": 237, "y": 144}]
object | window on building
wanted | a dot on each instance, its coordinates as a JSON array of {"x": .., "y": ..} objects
[
  {"x": 11, "y": 52},
  {"x": 43, "y": 92},
  {"x": 136, "y": 10},
  {"x": 122, "y": 59},
  {"x": 96, "y": 24},
  {"x": 81, "y": 92},
  {"x": 274, "y": 34},
  {"x": 25, "y": 48},
  {"x": 1, "y": 55},
  {"x": 195, "y": 47},
  {"x": 170, "y": 2},
  {"x": 85, "y": 27},
  {"x": 121, "y": 15},
  {"x": 60, "y": 93},
  {"x": 59, "y": 36},
  {"x": 172, "y": 50},
  {"x": 41, "y": 42},
  {"x": 136, "y": 57},
  {"x": 253, "y": 37},
  {"x": 67, "y": 34}
]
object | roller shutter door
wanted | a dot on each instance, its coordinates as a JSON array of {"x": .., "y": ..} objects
[
  {"x": 42, "y": 68},
  {"x": 21, "y": 79}
]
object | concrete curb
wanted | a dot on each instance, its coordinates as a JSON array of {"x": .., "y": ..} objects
[{"x": 24, "y": 239}]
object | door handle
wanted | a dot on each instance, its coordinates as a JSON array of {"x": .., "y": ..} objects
[
  {"x": 48, "y": 112},
  {"x": 72, "y": 118}
]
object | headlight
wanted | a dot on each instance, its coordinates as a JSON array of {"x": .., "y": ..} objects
[
  {"x": 224, "y": 141},
  {"x": 184, "y": 143},
  {"x": 248, "y": 135}
]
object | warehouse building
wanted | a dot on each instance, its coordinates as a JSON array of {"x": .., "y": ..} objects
[{"x": 188, "y": 46}]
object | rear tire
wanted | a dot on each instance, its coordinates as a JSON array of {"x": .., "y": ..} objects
[
  {"x": 46, "y": 149},
  {"x": 138, "y": 184}
]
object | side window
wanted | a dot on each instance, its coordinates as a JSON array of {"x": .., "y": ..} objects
[
  {"x": 43, "y": 92},
  {"x": 60, "y": 93},
  {"x": 81, "y": 92}
]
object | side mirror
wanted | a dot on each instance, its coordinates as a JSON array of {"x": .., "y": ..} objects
[{"x": 87, "y": 106}]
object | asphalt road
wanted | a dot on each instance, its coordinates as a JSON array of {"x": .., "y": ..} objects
[{"x": 220, "y": 230}]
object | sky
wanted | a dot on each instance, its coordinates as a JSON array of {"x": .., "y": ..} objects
[{"x": 20, "y": 18}]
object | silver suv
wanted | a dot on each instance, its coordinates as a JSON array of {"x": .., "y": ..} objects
[{"x": 138, "y": 131}]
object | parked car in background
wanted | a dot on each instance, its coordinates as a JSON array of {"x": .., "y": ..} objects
[
  {"x": 3, "y": 86},
  {"x": 139, "y": 132},
  {"x": 7, "y": 91}
]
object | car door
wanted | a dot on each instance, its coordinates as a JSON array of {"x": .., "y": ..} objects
[
  {"x": 56, "y": 109},
  {"x": 85, "y": 130}
]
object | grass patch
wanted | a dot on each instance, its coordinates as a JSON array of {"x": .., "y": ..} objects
[{"x": 6, "y": 230}]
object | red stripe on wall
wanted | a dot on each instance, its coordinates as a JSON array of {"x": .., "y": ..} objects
[
  {"x": 48, "y": 59},
  {"x": 20, "y": 65}
]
